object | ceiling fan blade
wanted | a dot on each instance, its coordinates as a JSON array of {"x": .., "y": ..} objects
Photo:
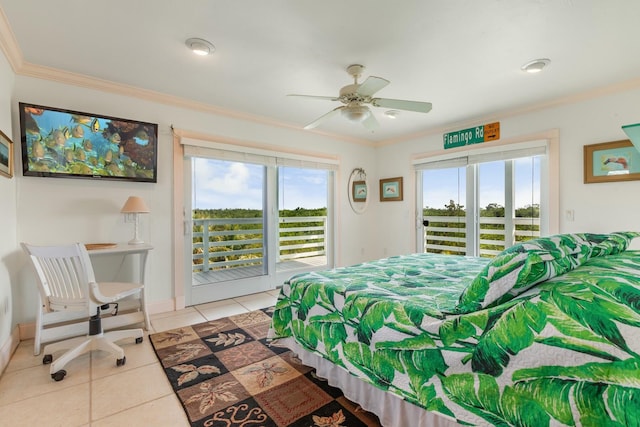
[
  {"x": 370, "y": 123},
  {"x": 328, "y": 98},
  {"x": 372, "y": 85},
  {"x": 399, "y": 104},
  {"x": 321, "y": 119}
]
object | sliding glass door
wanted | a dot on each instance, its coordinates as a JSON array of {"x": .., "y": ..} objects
[
  {"x": 481, "y": 205},
  {"x": 251, "y": 225}
]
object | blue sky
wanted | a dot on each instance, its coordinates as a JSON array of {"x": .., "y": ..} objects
[
  {"x": 220, "y": 185},
  {"x": 442, "y": 185}
]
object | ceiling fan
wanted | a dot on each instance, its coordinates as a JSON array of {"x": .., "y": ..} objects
[{"x": 356, "y": 95}]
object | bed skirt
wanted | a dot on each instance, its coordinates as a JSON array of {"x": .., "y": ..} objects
[{"x": 392, "y": 410}]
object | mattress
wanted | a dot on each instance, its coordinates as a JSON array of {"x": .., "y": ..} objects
[{"x": 544, "y": 334}]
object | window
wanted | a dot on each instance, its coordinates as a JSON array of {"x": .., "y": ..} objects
[
  {"x": 253, "y": 219},
  {"x": 483, "y": 202}
]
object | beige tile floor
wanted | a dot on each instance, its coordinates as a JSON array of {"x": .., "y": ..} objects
[{"x": 97, "y": 393}]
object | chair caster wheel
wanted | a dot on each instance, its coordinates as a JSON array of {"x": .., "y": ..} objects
[
  {"x": 48, "y": 358},
  {"x": 138, "y": 340},
  {"x": 59, "y": 376},
  {"x": 120, "y": 362}
]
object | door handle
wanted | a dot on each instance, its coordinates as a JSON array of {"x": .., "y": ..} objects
[{"x": 425, "y": 222}]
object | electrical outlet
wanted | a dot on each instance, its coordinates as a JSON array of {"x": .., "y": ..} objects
[{"x": 569, "y": 214}]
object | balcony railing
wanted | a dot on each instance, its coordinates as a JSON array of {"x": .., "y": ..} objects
[
  {"x": 447, "y": 234},
  {"x": 224, "y": 243}
]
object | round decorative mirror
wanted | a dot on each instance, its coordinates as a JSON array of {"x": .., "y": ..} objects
[{"x": 358, "y": 190}]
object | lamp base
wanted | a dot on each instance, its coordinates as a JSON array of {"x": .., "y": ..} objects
[{"x": 136, "y": 242}]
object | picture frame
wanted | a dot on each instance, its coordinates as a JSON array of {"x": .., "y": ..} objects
[
  {"x": 391, "y": 189},
  {"x": 60, "y": 143},
  {"x": 611, "y": 161},
  {"x": 6, "y": 155},
  {"x": 359, "y": 191}
]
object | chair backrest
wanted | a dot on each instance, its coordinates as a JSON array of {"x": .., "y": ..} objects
[{"x": 64, "y": 274}]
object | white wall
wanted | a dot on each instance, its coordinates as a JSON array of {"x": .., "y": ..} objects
[
  {"x": 67, "y": 210},
  {"x": 8, "y": 222},
  {"x": 602, "y": 207}
]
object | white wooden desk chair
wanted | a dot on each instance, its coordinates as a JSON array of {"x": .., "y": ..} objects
[{"x": 67, "y": 284}]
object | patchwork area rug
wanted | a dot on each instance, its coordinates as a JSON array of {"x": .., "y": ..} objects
[{"x": 225, "y": 374}]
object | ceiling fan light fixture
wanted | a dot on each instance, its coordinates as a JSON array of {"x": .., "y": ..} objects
[
  {"x": 357, "y": 113},
  {"x": 200, "y": 46},
  {"x": 535, "y": 66}
]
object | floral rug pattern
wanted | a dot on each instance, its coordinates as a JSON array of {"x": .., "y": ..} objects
[{"x": 225, "y": 374}]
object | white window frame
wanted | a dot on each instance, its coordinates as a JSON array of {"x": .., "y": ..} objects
[
  {"x": 546, "y": 143},
  {"x": 187, "y": 146}
]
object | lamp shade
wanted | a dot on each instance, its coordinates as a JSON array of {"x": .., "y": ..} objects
[
  {"x": 357, "y": 113},
  {"x": 135, "y": 204},
  {"x": 633, "y": 132}
]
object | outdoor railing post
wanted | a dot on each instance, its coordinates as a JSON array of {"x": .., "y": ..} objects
[{"x": 205, "y": 246}]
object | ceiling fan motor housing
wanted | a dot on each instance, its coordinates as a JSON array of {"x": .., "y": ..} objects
[{"x": 349, "y": 94}]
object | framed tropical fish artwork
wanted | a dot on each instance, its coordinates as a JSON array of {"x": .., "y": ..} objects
[{"x": 63, "y": 143}]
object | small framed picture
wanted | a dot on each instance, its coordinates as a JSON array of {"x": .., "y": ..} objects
[
  {"x": 391, "y": 189},
  {"x": 611, "y": 161},
  {"x": 359, "y": 191},
  {"x": 6, "y": 155}
]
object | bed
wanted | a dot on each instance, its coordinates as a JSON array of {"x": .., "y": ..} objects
[{"x": 545, "y": 333}]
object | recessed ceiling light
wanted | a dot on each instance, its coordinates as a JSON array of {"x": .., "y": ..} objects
[
  {"x": 535, "y": 66},
  {"x": 392, "y": 114},
  {"x": 200, "y": 46}
]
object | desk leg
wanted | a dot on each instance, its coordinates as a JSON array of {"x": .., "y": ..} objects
[{"x": 143, "y": 298}]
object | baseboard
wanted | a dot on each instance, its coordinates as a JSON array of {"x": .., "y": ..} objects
[
  {"x": 8, "y": 348},
  {"x": 158, "y": 307},
  {"x": 28, "y": 330}
]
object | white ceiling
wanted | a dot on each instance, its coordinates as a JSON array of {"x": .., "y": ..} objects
[{"x": 464, "y": 56}]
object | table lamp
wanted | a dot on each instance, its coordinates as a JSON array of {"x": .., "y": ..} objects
[{"x": 132, "y": 209}]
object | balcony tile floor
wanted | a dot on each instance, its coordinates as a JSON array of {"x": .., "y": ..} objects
[{"x": 95, "y": 392}]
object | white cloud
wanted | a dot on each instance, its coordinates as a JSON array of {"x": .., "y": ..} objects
[{"x": 220, "y": 185}]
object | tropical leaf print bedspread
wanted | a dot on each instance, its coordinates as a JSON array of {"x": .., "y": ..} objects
[{"x": 563, "y": 351}]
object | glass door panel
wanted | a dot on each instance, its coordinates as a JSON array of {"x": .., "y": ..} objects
[
  {"x": 302, "y": 218},
  {"x": 444, "y": 215},
  {"x": 228, "y": 234}
]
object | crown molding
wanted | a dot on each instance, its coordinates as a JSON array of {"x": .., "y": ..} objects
[
  {"x": 11, "y": 49},
  {"x": 9, "y": 44},
  {"x": 598, "y": 92},
  {"x": 81, "y": 80}
]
